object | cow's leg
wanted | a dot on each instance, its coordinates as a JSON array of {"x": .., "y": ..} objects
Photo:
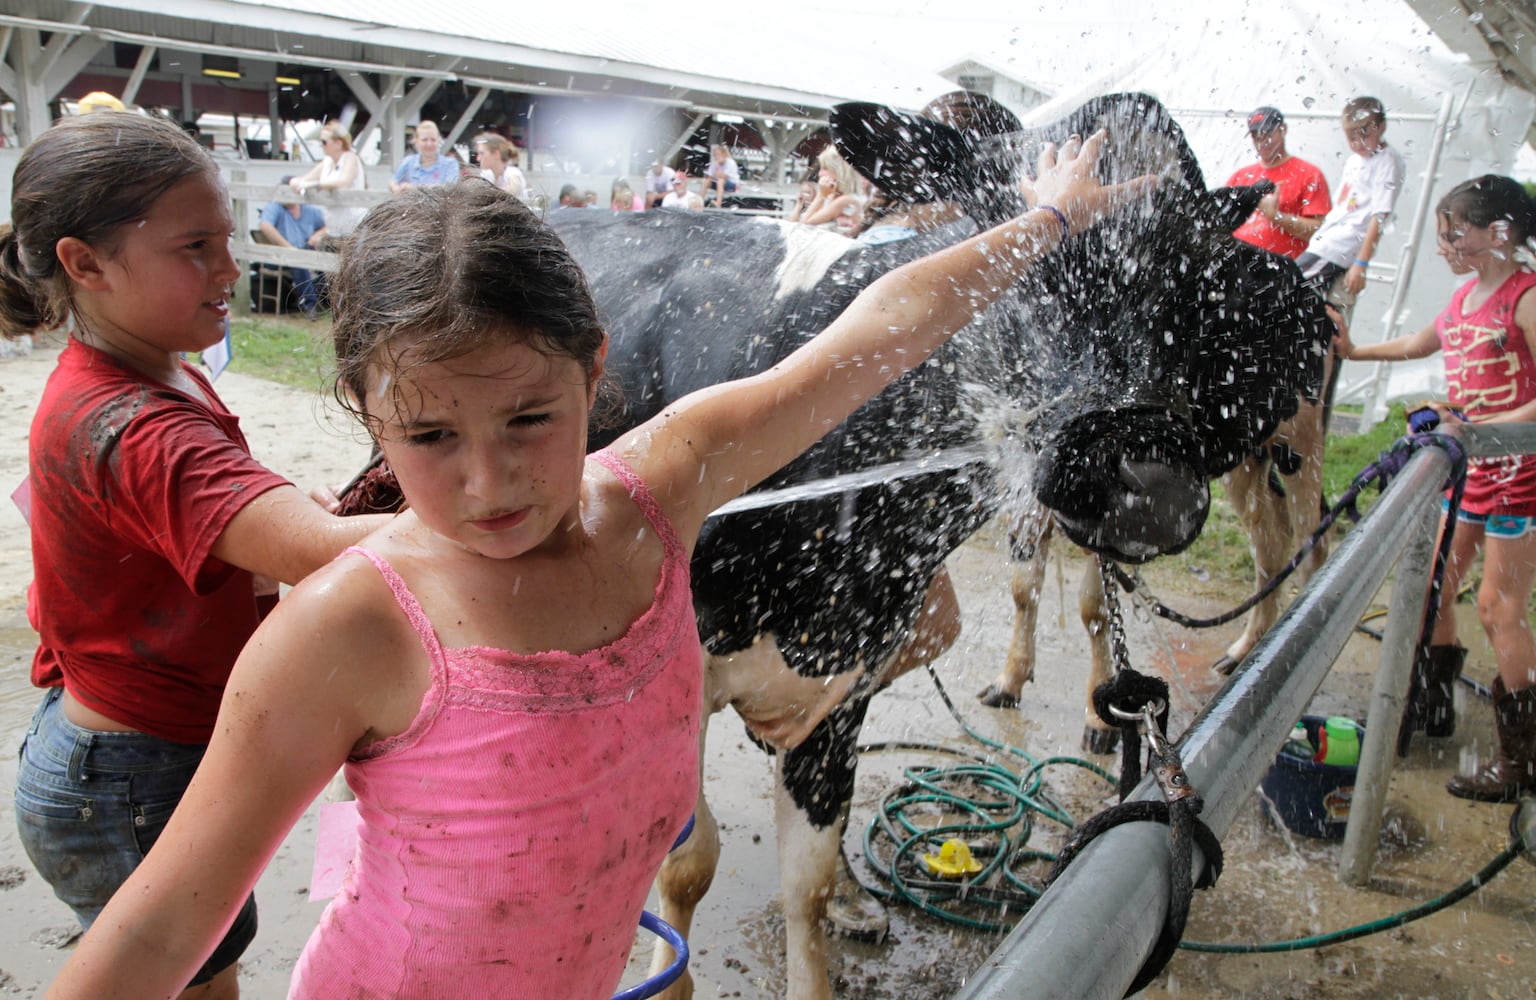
[
  {"x": 688, "y": 871},
  {"x": 1098, "y": 736},
  {"x": 935, "y": 630},
  {"x": 1029, "y": 543},
  {"x": 1278, "y": 522},
  {"x": 814, "y": 788},
  {"x": 685, "y": 877}
]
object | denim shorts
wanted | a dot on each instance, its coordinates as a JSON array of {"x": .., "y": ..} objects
[
  {"x": 1506, "y": 526},
  {"x": 90, "y": 805}
]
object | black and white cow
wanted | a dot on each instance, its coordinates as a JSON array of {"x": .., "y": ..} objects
[{"x": 1142, "y": 358}]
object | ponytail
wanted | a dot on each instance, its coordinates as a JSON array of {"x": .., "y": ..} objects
[{"x": 21, "y": 311}]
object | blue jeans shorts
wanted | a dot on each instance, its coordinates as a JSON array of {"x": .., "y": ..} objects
[
  {"x": 1494, "y": 525},
  {"x": 90, "y": 805}
]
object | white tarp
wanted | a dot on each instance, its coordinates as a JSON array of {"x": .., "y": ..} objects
[{"x": 1307, "y": 57}]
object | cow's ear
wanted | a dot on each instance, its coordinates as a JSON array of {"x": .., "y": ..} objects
[
  {"x": 909, "y": 158},
  {"x": 1231, "y": 206}
]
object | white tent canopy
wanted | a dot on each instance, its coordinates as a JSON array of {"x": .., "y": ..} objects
[{"x": 1307, "y": 58}]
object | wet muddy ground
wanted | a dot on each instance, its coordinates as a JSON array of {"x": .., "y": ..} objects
[{"x": 1276, "y": 885}]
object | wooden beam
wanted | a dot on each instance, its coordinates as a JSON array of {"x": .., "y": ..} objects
[{"x": 136, "y": 78}]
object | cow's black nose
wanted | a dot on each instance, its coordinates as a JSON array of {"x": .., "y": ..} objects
[{"x": 1126, "y": 481}]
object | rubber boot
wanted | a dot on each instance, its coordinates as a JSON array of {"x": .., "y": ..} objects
[
  {"x": 1513, "y": 768},
  {"x": 1439, "y": 671},
  {"x": 1430, "y": 707}
]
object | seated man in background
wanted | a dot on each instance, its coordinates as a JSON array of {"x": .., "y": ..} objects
[
  {"x": 301, "y": 226},
  {"x": 658, "y": 184}
]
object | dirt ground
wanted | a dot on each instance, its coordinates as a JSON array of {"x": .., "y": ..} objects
[{"x": 1276, "y": 885}]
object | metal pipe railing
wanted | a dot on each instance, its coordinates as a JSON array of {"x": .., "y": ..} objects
[{"x": 1089, "y": 935}]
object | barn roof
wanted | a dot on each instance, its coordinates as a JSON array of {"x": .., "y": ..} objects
[{"x": 562, "y": 48}]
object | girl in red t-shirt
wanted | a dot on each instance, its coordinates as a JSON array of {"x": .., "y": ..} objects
[
  {"x": 149, "y": 517},
  {"x": 1488, "y": 336}
]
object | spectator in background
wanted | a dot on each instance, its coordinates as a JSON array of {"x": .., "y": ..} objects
[
  {"x": 571, "y": 196},
  {"x": 497, "y": 158},
  {"x": 1368, "y": 190},
  {"x": 658, "y": 183},
  {"x": 339, "y": 170},
  {"x": 1288, "y": 216},
  {"x": 623, "y": 198},
  {"x": 425, "y": 167},
  {"x": 589, "y": 200},
  {"x": 722, "y": 176},
  {"x": 680, "y": 196},
  {"x": 838, "y": 205},
  {"x": 99, "y": 100},
  {"x": 302, "y": 227}
]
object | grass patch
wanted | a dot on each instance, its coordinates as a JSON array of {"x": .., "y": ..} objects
[{"x": 294, "y": 352}]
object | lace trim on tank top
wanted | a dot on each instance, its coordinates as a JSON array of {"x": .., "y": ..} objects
[{"x": 552, "y": 681}]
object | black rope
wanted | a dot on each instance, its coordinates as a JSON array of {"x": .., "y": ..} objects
[
  {"x": 1120, "y": 701},
  {"x": 1180, "y": 810}
]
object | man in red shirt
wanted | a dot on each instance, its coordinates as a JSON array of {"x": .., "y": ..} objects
[{"x": 1287, "y": 217}]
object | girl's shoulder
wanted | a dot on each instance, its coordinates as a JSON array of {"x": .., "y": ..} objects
[{"x": 349, "y": 611}]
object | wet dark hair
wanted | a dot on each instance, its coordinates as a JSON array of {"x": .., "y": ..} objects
[
  {"x": 444, "y": 270},
  {"x": 84, "y": 177},
  {"x": 1363, "y": 109},
  {"x": 1491, "y": 198}
]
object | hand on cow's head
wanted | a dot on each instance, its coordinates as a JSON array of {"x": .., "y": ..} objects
[{"x": 1068, "y": 180}]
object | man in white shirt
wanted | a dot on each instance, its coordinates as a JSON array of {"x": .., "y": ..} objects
[{"x": 658, "y": 183}]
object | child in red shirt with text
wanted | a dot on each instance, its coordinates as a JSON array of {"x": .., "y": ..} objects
[{"x": 1488, "y": 336}]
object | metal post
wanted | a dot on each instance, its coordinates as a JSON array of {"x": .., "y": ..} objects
[
  {"x": 1090, "y": 933},
  {"x": 1405, "y": 620},
  {"x": 240, "y": 305}
]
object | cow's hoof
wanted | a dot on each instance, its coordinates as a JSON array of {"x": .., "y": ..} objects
[
  {"x": 1096, "y": 740},
  {"x": 854, "y": 913},
  {"x": 1225, "y": 665},
  {"x": 993, "y": 696}
]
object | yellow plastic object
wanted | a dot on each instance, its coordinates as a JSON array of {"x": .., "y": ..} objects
[{"x": 953, "y": 860}]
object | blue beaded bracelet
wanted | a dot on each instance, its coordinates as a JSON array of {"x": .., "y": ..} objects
[{"x": 1066, "y": 230}]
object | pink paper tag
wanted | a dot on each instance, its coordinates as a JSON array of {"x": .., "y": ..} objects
[
  {"x": 22, "y": 497},
  {"x": 335, "y": 846}
]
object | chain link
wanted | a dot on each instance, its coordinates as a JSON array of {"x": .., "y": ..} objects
[{"x": 1117, "y": 647}]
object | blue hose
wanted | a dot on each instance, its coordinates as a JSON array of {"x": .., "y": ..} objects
[{"x": 666, "y": 977}]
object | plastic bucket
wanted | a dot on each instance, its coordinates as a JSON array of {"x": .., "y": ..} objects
[{"x": 1307, "y": 797}]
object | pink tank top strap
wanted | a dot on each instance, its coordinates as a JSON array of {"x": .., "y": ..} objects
[
  {"x": 408, "y": 604},
  {"x": 641, "y": 495}
]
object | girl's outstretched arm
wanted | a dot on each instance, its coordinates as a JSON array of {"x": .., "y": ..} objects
[
  {"x": 297, "y": 704},
  {"x": 1409, "y": 347},
  {"x": 286, "y": 535},
  {"x": 741, "y": 432}
]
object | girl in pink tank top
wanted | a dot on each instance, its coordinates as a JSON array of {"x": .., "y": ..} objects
[
  {"x": 1488, "y": 338},
  {"x": 510, "y": 670}
]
